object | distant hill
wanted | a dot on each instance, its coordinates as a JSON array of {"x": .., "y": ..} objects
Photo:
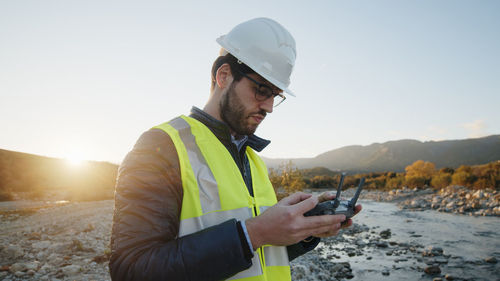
[
  {"x": 396, "y": 155},
  {"x": 28, "y": 176}
]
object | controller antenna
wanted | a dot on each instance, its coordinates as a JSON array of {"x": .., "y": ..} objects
[
  {"x": 339, "y": 190},
  {"x": 358, "y": 191}
]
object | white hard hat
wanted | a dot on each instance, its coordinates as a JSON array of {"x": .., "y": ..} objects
[{"x": 266, "y": 47}]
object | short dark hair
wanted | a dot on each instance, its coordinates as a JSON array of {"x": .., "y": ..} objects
[{"x": 235, "y": 66}]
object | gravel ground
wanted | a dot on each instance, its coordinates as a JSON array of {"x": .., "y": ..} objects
[
  {"x": 70, "y": 241},
  {"x": 54, "y": 242}
]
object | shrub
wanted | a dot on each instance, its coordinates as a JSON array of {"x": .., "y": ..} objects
[
  {"x": 441, "y": 180},
  {"x": 414, "y": 181},
  {"x": 395, "y": 182},
  {"x": 462, "y": 178}
]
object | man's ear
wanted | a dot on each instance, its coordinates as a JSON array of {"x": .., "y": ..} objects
[{"x": 223, "y": 76}]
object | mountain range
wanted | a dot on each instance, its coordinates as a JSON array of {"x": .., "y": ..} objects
[{"x": 396, "y": 155}]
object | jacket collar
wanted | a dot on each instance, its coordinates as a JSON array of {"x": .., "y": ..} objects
[{"x": 221, "y": 130}]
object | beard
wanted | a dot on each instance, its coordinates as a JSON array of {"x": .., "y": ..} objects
[{"x": 232, "y": 112}]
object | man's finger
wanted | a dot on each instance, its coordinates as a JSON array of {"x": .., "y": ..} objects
[
  {"x": 295, "y": 198},
  {"x": 324, "y": 220},
  {"x": 357, "y": 209},
  {"x": 325, "y": 196},
  {"x": 306, "y": 205}
]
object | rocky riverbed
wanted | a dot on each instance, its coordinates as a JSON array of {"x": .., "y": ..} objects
[
  {"x": 70, "y": 241},
  {"x": 452, "y": 199},
  {"x": 399, "y": 248}
]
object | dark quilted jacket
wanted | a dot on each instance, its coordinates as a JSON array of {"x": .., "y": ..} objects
[{"x": 148, "y": 199}]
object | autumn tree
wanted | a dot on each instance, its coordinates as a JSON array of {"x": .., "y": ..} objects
[
  {"x": 441, "y": 180},
  {"x": 419, "y": 173},
  {"x": 288, "y": 178},
  {"x": 463, "y": 176},
  {"x": 323, "y": 182},
  {"x": 395, "y": 182}
]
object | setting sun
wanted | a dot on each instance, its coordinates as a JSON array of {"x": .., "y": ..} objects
[{"x": 75, "y": 158}]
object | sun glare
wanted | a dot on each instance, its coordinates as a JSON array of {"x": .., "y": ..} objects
[{"x": 75, "y": 159}]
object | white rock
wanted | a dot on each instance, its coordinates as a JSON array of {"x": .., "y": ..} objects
[
  {"x": 57, "y": 260},
  {"x": 46, "y": 268},
  {"x": 41, "y": 255},
  {"x": 450, "y": 205},
  {"x": 20, "y": 266},
  {"x": 58, "y": 247},
  {"x": 32, "y": 265},
  {"x": 41, "y": 245},
  {"x": 479, "y": 194},
  {"x": 71, "y": 270},
  {"x": 12, "y": 252},
  {"x": 53, "y": 256}
]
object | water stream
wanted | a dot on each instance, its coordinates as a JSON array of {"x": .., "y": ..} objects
[{"x": 466, "y": 242}]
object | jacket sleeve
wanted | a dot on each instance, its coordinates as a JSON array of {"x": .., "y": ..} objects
[
  {"x": 296, "y": 250},
  {"x": 144, "y": 242}
]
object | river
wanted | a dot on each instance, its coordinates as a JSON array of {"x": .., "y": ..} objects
[{"x": 466, "y": 242}]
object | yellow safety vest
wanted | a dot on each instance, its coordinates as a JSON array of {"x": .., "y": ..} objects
[{"x": 214, "y": 192}]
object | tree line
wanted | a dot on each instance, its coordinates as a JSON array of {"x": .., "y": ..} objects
[{"x": 288, "y": 178}]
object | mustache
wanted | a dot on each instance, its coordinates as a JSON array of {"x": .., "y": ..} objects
[{"x": 263, "y": 113}]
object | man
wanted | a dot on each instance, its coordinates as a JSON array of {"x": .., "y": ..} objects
[{"x": 193, "y": 200}]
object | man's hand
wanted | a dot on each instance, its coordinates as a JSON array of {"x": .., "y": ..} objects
[
  {"x": 284, "y": 223},
  {"x": 329, "y": 196}
]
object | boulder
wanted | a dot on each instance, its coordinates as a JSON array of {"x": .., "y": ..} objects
[
  {"x": 490, "y": 260},
  {"x": 432, "y": 270},
  {"x": 432, "y": 251},
  {"x": 385, "y": 234},
  {"x": 382, "y": 244},
  {"x": 415, "y": 204}
]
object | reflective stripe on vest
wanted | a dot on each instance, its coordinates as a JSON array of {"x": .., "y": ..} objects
[
  {"x": 209, "y": 193},
  {"x": 214, "y": 191}
]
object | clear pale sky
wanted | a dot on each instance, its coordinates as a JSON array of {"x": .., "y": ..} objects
[{"x": 86, "y": 78}]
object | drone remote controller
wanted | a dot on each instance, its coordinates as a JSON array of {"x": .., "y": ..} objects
[{"x": 337, "y": 206}]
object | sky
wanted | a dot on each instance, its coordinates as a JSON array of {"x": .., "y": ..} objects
[{"x": 84, "y": 79}]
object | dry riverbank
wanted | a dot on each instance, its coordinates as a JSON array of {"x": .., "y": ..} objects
[{"x": 70, "y": 241}]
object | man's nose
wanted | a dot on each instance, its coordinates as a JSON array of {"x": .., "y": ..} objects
[{"x": 267, "y": 105}]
